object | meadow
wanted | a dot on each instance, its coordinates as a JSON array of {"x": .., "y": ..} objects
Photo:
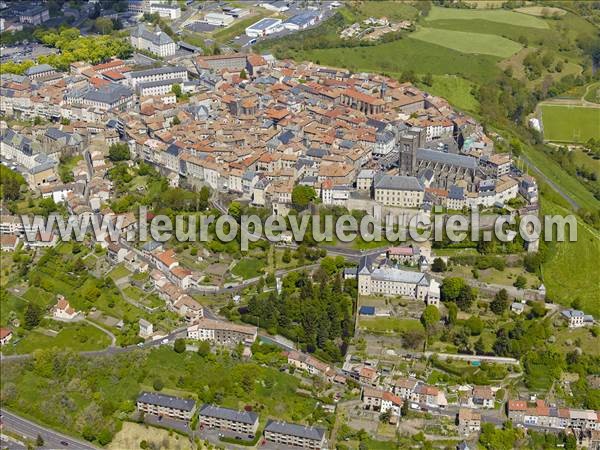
[
  {"x": 565, "y": 123},
  {"x": 572, "y": 269},
  {"x": 500, "y": 16},
  {"x": 458, "y": 91},
  {"x": 466, "y": 42}
]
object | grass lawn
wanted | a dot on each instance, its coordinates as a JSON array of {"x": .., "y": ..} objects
[
  {"x": 500, "y": 16},
  {"x": 120, "y": 271},
  {"x": 388, "y": 324},
  {"x": 570, "y": 123},
  {"x": 391, "y": 9},
  {"x": 587, "y": 342},
  {"x": 237, "y": 28},
  {"x": 8, "y": 303},
  {"x": 77, "y": 337},
  {"x": 572, "y": 270},
  {"x": 466, "y": 42},
  {"x": 133, "y": 293},
  {"x": 39, "y": 297},
  {"x": 456, "y": 90},
  {"x": 248, "y": 268}
]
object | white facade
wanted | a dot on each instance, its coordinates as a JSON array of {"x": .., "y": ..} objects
[
  {"x": 164, "y": 10},
  {"x": 264, "y": 27},
  {"x": 218, "y": 19}
]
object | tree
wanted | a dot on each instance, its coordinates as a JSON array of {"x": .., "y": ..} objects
[
  {"x": 179, "y": 345},
  {"x": 10, "y": 183},
  {"x": 287, "y": 256},
  {"x": 452, "y": 313},
  {"x": 176, "y": 89},
  {"x": 39, "y": 441},
  {"x": 475, "y": 325},
  {"x": 235, "y": 210},
  {"x": 243, "y": 74},
  {"x": 119, "y": 152},
  {"x": 176, "y": 120},
  {"x": 33, "y": 316},
  {"x": 500, "y": 302},
  {"x": 438, "y": 265},
  {"x": 520, "y": 282},
  {"x": 302, "y": 196},
  {"x": 385, "y": 416},
  {"x": 203, "y": 348},
  {"x": 430, "y": 317},
  {"x": 158, "y": 385},
  {"x": 103, "y": 25}
]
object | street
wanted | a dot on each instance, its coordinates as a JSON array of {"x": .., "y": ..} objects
[{"x": 30, "y": 430}]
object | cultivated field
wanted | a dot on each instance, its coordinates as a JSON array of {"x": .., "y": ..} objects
[
  {"x": 465, "y": 42},
  {"x": 568, "y": 123},
  {"x": 501, "y": 16}
]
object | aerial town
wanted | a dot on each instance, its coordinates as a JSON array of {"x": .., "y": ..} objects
[{"x": 192, "y": 109}]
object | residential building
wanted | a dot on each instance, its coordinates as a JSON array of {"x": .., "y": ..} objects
[
  {"x": 222, "y": 333},
  {"x": 469, "y": 421},
  {"x": 212, "y": 416},
  {"x": 167, "y": 73},
  {"x": 403, "y": 192},
  {"x": 404, "y": 255},
  {"x": 146, "y": 328},
  {"x": 294, "y": 435},
  {"x": 9, "y": 242},
  {"x": 483, "y": 397},
  {"x": 166, "y": 405},
  {"x": 62, "y": 310},
  {"x": 380, "y": 400},
  {"x": 5, "y": 336},
  {"x": 574, "y": 317},
  {"x": 307, "y": 363}
]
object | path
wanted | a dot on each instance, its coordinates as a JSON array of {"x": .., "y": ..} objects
[{"x": 113, "y": 338}]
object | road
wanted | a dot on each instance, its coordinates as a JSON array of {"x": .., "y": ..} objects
[{"x": 30, "y": 430}]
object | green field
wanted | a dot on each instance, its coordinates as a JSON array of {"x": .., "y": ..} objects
[
  {"x": 248, "y": 268},
  {"x": 572, "y": 271},
  {"x": 390, "y": 9},
  {"x": 500, "y": 16},
  {"x": 457, "y": 90},
  {"x": 77, "y": 337},
  {"x": 407, "y": 54},
  {"x": 465, "y": 42},
  {"x": 564, "y": 123},
  {"x": 388, "y": 324}
]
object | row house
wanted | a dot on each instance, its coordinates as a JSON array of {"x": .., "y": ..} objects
[
  {"x": 380, "y": 400},
  {"x": 166, "y": 405},
  {"x": 243, "y": 422}
]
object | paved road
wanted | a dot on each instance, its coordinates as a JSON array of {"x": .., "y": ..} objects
[{"x": 30, "y": 430}]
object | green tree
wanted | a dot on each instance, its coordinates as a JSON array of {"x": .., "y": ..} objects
[
  {"x": 302, "y": 196},
  {"x": 430, "y": 317},
  {"x": 235, "y": 210},
  {"x": 520, "y": 282},
  {"x": 203, "y": 348},
  {"x": 500, "y": 302},
  {"x": 103, "y": 25},
  {"x": 176, "y": 120},
  {"x": 179, "y": 345},
  {"x": 119, "y": 152},
  {"x": 33, "y": 316},
  {"x": 243, "y": 74},
  {"x": 158, "y": 385},
  {"x": 452, "y": 313},
  {"x": 176, "y": 89},
  {"x": 427, "y": 79},
  {"x": 39, "y": 441},
  {"x": 438, "y": 265}
]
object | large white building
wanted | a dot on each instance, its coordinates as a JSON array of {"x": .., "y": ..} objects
[
  {"x": 157, "y": 41},
  {"x": 387, "y": 280},
  {"x": 159, "y": 74},
  {"x": 223, "y": 333},
  {"x": 264, "y": 27},
  {"x": 399, "y": 191},
  {"x": 166, "y": 10},
  {"x": 219, "y": 19}
]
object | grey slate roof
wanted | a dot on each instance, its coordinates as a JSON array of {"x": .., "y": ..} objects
[
  {"x": 150, "y": 84},
  {"x": 399, "y": 275},
  {"x": 40, "y": 68},
  {"x": 398, "y": 183},
  {"x": 168, "y": 401},
  {"x": 467, "y": 162},
  {"x": 157, "y": 37},
  {"x": 217, "y": 412},
  {"x": 292, "y": 429},
  {"x": 157, "y": 71}
]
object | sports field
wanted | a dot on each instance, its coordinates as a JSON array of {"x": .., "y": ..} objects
[
  {"x": 565, "y": 123},
  {"x": 465, "y": 42},
  {"x": 501, "y": 16}
]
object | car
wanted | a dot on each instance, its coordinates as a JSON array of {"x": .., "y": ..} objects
[
  {"x": 65, "y": 443},
  {"x": 251, "y": 436},
  {"x": 140, "y": 344},
  {"x": 239, "y": 438},
  {"x": 165, "y": 341}
]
